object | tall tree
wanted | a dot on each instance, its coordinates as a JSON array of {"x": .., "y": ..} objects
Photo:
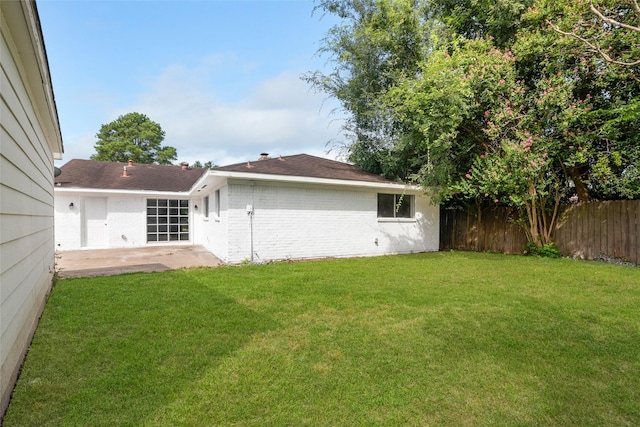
[
  {"x": 134, "y": 137},
  {"x": 377, "y": 43},
  {"x": 495, "y": 107}
]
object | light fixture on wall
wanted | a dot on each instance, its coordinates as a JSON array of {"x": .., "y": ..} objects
[
  {"x": 195, "y": 207},
  {"x": 71, "y": 205}
]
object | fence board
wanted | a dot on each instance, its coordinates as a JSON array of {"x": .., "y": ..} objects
[{"x": 609, "y": 229}]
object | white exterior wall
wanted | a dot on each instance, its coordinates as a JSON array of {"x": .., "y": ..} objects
[
  {"x": 213, "y": 232},
  {"x": 295, "y": 222},
  {"x": 125, "y": 220},
  {"x": 68, "y": 225},
  {"x": 29, "y": 141}
]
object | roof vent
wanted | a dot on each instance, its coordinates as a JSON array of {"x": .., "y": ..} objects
[
  {"x": 125, "y": 174},
  {"x": 184, "y": 166},
  {"x": 130, "y": 163},
  {"x": 249, "y": 165},
  {"x": 264, "y": 156}
]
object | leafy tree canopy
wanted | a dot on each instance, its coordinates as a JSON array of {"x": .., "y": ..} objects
[
  {"x": 134, "y": 137},
  {"x": 486, "y": 102}
]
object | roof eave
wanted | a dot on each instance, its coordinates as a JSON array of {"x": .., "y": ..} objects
[
  {"x": 83, "y": 190},
  {"x": 313, "y": 180}
]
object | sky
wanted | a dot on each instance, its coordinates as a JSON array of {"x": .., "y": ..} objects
[{"x": 222, "y": 78}]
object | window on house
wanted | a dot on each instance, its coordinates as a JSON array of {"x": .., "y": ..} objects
[
  {"x": 205, "y": 202},
  {"x": 217, "y": 202},
  {"x": 167, "y": 220},
  {"x": 396, "y": 205}
]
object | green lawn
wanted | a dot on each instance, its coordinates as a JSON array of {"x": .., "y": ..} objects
[{"x": 431, "y": 339}]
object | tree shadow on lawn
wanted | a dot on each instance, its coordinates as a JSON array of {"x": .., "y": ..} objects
[{"x": 115, "y": 351}]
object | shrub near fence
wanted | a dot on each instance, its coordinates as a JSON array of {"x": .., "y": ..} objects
[{"x": 596, "y": 230}]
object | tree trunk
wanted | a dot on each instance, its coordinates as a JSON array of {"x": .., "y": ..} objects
[{"x": 581, "y": 189}]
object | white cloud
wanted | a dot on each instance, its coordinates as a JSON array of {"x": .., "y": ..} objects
[{"x": 279, "y": 115}]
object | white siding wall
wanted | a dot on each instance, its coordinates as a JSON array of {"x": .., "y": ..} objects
[
  {"x": 26, "y": 199},
  {"x": 314, "y": 221}
]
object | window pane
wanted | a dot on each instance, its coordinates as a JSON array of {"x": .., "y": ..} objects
[
  {"x": 166, "y": 218},
  {"x": 405, "y": 210},
  {"x": 385, "y": 205}
]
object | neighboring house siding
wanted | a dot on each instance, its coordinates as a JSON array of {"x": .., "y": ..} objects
[
  {"x": 28, "y": 137},
  {"x": 294, "y": 222}
]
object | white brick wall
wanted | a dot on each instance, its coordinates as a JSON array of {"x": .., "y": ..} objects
[
  {"x": 126, "y": 221},
  {"x": 320, "y": 221},
  {"x": 68, "y": 225},
  {"x": 289, "y": 222},
  {"x": 212, "y": 232}
]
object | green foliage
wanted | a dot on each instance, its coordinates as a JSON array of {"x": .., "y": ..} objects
[
  {"x": 451, "y": 339},
  {"x": 484, "y": 103},
  {"x": 208, "y": 165},
  {"x": 134, "y": 137},
  {"x": 377, "y": 45},
  {"x": 548, "y": 250}
]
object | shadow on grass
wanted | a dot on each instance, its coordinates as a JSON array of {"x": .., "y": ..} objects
[{"x": 105, "y": 354}]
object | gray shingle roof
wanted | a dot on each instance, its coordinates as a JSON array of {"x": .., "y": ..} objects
[
  {"x": 108, "y": 175},
  {"x": 92, "y": 174},
  {"x": 305, "y": 165}
]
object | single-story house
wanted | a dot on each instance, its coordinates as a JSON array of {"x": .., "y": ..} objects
[
  {"x": 291, "y": 207},
  {"x": 30, "y": 141}
]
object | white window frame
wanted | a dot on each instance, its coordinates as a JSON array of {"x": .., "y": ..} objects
[
  {"x": 398, "y": 211},
  {"x": 216, "y": 200}
]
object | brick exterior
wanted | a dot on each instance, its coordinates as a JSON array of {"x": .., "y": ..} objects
[{"x": 298, "y": 222}]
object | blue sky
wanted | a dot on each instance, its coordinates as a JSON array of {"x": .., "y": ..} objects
[{"x": 222, "y": 78}]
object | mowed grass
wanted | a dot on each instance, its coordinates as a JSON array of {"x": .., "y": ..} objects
[{"x": 429, "y": 339}]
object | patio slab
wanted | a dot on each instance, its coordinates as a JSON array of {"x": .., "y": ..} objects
[{"x": 108, "y": 262}]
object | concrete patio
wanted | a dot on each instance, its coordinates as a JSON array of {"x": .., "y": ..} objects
[{"x": 108, "y": 262}]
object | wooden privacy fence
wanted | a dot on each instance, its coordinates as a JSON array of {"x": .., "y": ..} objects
[{"x": 593, "y": 230}]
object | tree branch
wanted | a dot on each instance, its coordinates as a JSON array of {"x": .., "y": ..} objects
[
  {"x": 594, "y": 47},
  {"x": 613, "y": 21}
]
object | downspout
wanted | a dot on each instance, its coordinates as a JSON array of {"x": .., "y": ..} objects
[{"x": 250, "y": 213}]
